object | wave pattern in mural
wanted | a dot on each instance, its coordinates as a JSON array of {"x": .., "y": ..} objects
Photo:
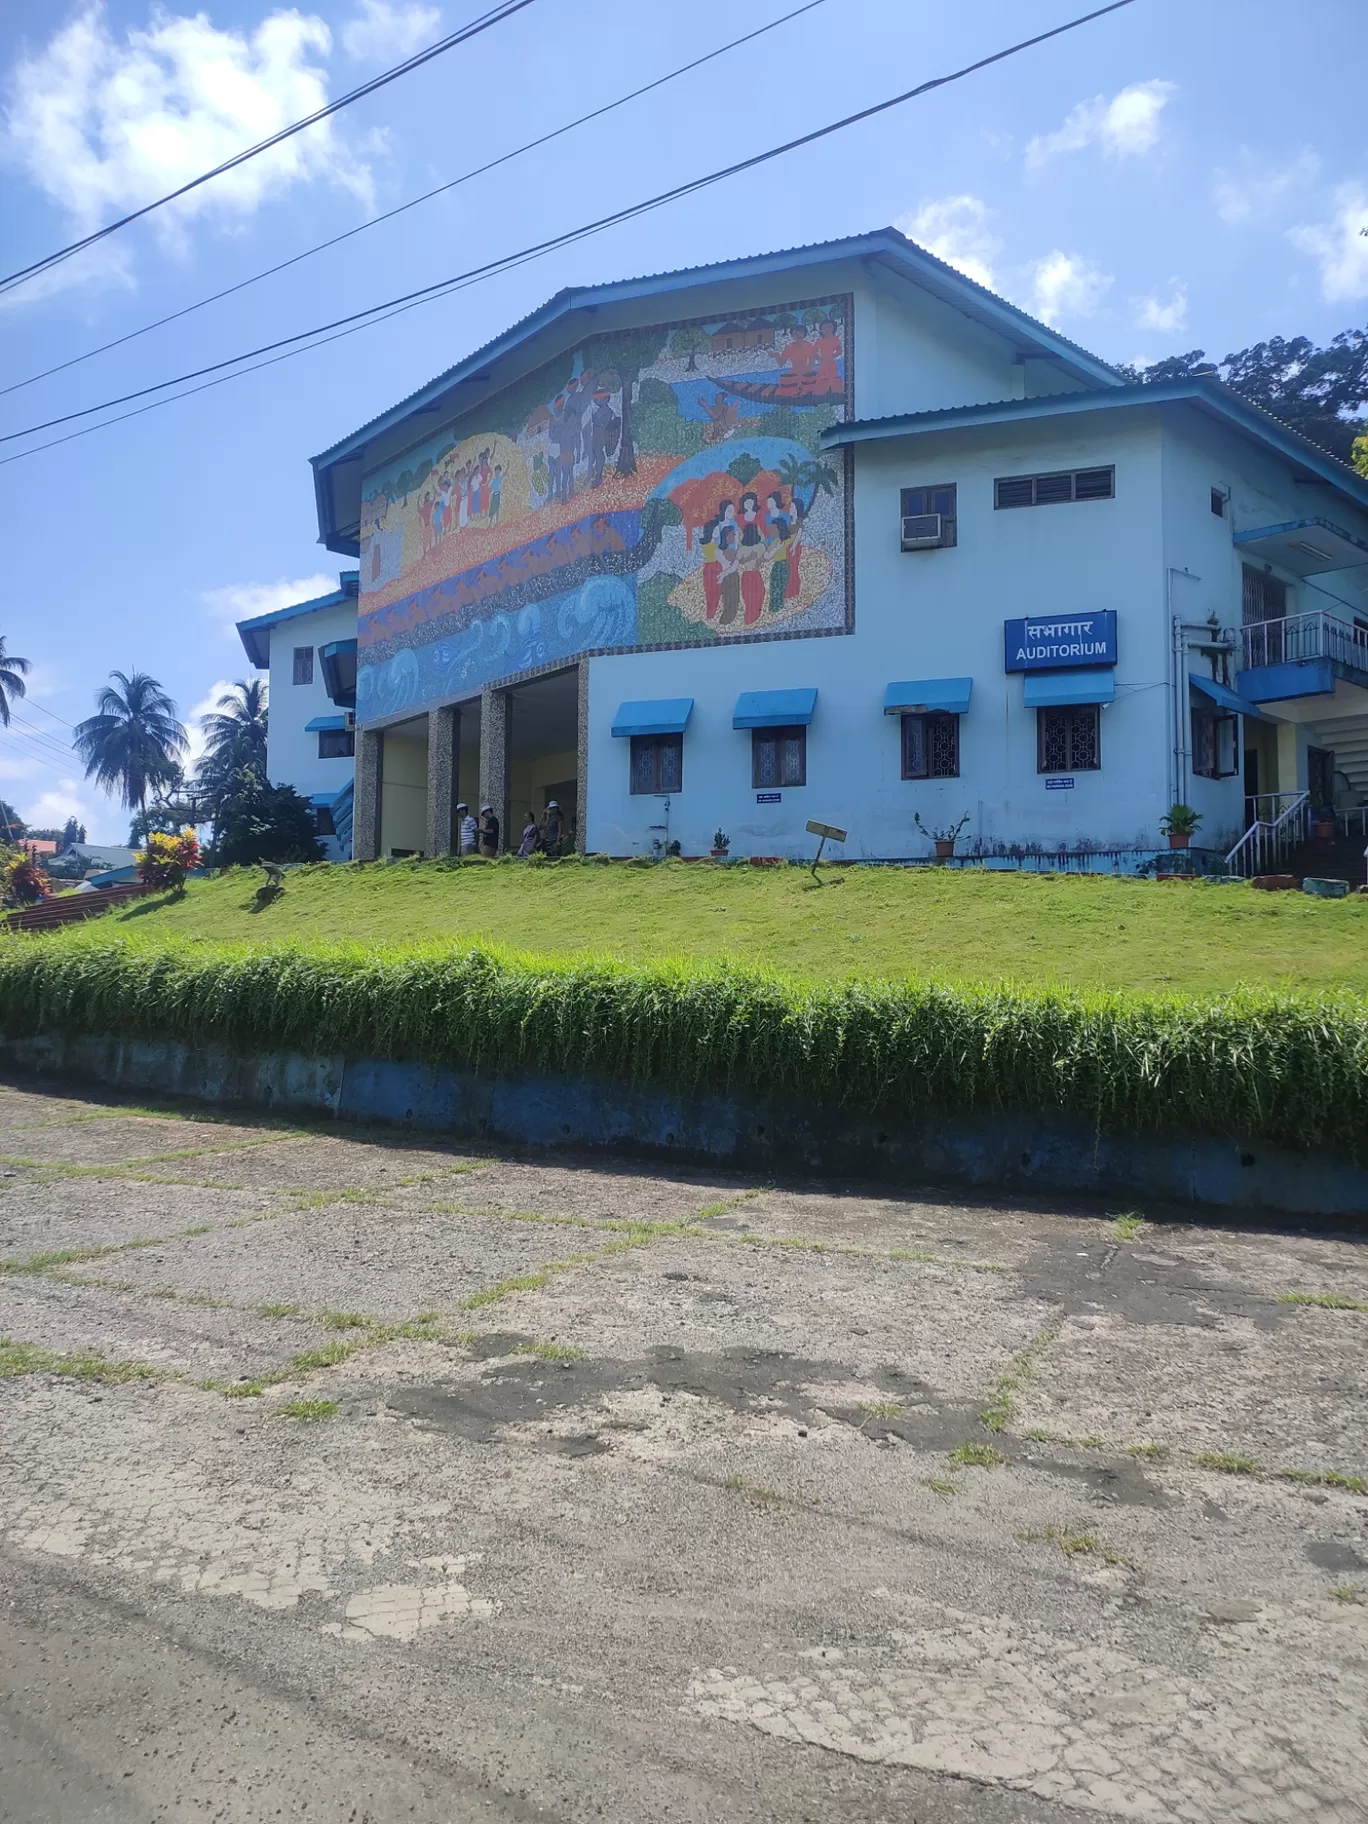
[{"x": 653, "y": 487}]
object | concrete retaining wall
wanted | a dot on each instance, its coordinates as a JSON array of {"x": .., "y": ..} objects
[{"x": 746, "y": 1132}]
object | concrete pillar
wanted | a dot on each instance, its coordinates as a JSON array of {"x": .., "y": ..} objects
[
  {"x": 444, "y": 742},
  {"x": 582, "y": 758},
  {"x": 1292, "y": 744},
  {"x": 370, "y": 753},
  {"x": 494, "y": 733}
]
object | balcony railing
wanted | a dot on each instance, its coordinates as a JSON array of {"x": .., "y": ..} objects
[{"x": 1317, "y": 635}]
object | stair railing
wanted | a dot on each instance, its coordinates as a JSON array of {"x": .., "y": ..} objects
[{"x": 1268, "y": 841}]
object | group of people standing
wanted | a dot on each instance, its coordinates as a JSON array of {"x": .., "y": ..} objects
[
  {"x": 736, "y": 545},
  {"x": 473, "y": 491},
  {"x": 582, "y": 427},
  {"x": 481, "y": 836}
]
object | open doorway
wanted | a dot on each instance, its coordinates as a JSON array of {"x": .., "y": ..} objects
[
  {"x": 543, "y": 751},
  {"x": 403, "y": 788}
]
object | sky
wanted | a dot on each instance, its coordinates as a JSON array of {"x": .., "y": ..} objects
[{"x": 1172, "y": 176}]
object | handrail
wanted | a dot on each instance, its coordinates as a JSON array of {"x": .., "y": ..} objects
[
  {"x": 1267, "y": 841},
  {"x": 1316, "y": 635}
]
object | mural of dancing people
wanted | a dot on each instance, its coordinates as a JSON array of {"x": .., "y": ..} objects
[{"x": 662, "y": 486}]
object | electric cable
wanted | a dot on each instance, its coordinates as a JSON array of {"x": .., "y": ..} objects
[
  {"x": 374, "y": 221},
  {"x": 496, "y": 16},
  {"x": 320, "y": 334}
]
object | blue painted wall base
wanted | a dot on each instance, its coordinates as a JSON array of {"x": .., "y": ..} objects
[{"x": 752, "y": 1133}]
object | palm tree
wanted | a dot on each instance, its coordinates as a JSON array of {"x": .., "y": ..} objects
[
  {"x": 133, "y": 743},
  {"x": 12, "y": 669},
  {"x": 235, "y": 734}
]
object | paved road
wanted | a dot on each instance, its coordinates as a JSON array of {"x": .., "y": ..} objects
[{"x": 349, "y": 1478}]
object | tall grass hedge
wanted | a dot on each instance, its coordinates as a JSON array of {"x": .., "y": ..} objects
[{"x": 1266, "y": 1065}]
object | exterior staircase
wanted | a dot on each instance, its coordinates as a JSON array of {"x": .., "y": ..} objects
[{"x": 1340, "y": 858}]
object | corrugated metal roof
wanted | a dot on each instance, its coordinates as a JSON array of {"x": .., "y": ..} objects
[{"x": 1211, "y": 394}]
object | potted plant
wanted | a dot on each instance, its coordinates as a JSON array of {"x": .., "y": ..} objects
[
  {"x": 943, "y": 839},
  {"x": 1179, "y": 824},
  {"x": 721, "y": 843},
  {"x": 1323, "y": 823}
]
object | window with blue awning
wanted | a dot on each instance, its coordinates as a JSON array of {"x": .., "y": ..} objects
[
  {"x": 1065, "y": 689},
  {"x": 653, "y": 716},
  {"x": 321, "y": 722},
  {"x": 774, "y": 708},
  {"x": 926, "y": 696}
]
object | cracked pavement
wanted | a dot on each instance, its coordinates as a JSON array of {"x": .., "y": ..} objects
[{"x": 362, "y": 1476}]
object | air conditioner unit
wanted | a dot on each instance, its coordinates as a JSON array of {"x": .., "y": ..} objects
[
  {"x": 349, "y": 721},
  {"x": 921, "y": 531}
]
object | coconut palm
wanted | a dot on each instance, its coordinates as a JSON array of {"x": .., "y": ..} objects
[
  {"x": 133, "y": 743},
  {"x": 12, "y": 669},
  {"x": 235, "y": 732}
]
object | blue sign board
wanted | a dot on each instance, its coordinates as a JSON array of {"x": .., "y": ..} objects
[{"x": 1060, "y": 642}]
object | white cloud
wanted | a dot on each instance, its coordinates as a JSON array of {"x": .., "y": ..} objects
[
  {"x": 1066, "y": 285},
  {"x": 241, "y": 601},
  {"x": 1257, "y": 190},
  {"x": 1168, "y": 317},
  {"x": 105, "y": 820},
  {"x": 206, "y": 706},
  {"x": 387, "y": 33},
  {"x": 955, "y": 229},
  {"x": 1125, "y": 126},
  {"x": 1340, "y": 245},
  {"x": 102, "y": 124}
]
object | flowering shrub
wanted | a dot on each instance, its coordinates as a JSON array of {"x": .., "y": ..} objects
[
  {"x": 22, "y": 881},
  {"x": 167, "y": 859}
]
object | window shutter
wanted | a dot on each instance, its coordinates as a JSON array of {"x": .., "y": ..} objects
[
  {"x": 1052, "y": 490},
  {"x": 1094, "y": 484},
  {"x": 1016, "y": 492},
  {"x": 671, "y": 750},
  {"x": 914, "y": 747}
]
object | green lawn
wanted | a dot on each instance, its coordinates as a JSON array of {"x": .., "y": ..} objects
[{"x": 1087, "y": 931}]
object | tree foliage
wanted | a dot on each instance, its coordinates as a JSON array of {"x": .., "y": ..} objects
[
  {"x": 12, "y": 670},
  {"x": 133, "y": 743},
  {"x": 1320, "y": 392},
  {"x": 257, "y": 821},
  {"x": 168, "y": 858}
]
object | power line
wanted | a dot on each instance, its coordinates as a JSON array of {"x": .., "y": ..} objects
[
  {"x": 34, "y": 704},
  {"x": 530, "y": 145},
  {"x": 504, "y": 10},
  {"x": 40, "y": 733},
  {"x": 322, "y": 333}
]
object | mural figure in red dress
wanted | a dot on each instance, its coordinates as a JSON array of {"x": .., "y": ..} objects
[{"x": 827, "y": 378}]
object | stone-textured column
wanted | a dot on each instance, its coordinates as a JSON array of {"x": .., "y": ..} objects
[
  {"x": 494, "y": 732},
  {"x": 370, "y": 754},
  {"x": 444, "y": 745},
  {"x": 582, "y": 759}
]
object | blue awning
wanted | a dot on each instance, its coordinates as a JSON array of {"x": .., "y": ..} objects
[
  {"x": 653, "y": 716},
  {"x": 774, "y": 708},
  {"x": 322, "y": 722},
  {"x": 1225, "y": 698},
  {"x": 917, "y": 696},
  {"x": 1061, "y": 689}
]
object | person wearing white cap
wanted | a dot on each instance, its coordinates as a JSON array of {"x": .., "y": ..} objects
[
  {"x": 465, "y": 823},
  {"x": 489, "y": 831},
  {"x": 551, "y": 829}
]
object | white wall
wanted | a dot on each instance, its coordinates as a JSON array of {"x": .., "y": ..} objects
[
  {"x": 930, "y": 615},
  {"x": 291, "y": 754},
  {"x": 1198, "y": 455}
]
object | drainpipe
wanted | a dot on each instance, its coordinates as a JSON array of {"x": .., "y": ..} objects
[{"x": 1177, "y": 693}]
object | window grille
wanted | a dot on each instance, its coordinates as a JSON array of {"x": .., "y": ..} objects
[
  {"x": 930, "y": 746},
  {"x": 657, "y": 763},
  {"x": 1069, "y": 740},
  {"x": 303, "y": 664},
  {"x": 778, "y": 757}
]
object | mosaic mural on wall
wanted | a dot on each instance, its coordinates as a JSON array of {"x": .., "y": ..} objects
[{"x": 654, "y": 487}]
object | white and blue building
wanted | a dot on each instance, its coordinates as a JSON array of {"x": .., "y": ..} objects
[
  {"x": 963, "y": 573},
  {"x": 308, "y": 651}
]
